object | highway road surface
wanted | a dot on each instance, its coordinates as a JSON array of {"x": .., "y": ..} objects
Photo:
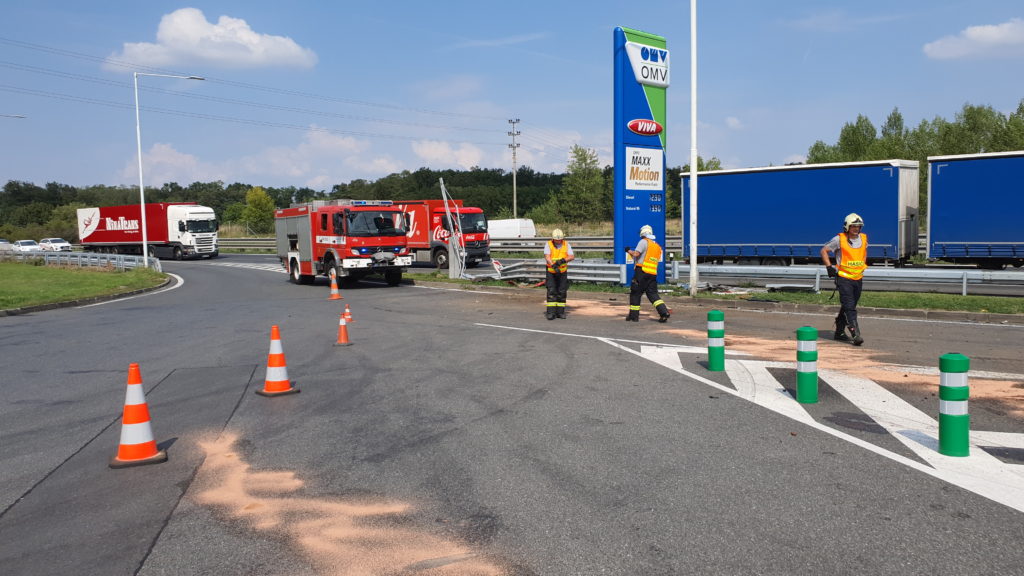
[{"x": 462, "y": 433}]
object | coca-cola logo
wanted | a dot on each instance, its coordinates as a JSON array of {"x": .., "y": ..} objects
[{"x": 644, "y": 127}]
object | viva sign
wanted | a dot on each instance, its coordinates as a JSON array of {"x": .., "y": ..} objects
[{"x": 641, "y": 79}]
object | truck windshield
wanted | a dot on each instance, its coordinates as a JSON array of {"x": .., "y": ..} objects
[
  {"x": 473, "y": 223},
  {"x": 376, "y": 223},
  {"x": 202, "y": 226}
]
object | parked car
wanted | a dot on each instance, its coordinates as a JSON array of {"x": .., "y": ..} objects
[
  {"x": 6, "y": 246},
  {"x": 55, "y": 244},
  {"x": 26, "y": 246}
]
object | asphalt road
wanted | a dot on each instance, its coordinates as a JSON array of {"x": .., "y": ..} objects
[{"x": 462, "y": 433}]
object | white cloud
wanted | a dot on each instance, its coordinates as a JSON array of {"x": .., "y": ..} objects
[
  {"x": 185, "y": 37},
  {"x": 443, "y": 154},
  {"x": 163, "y": 164},
  {"x": 733, "y": 122},
  {"x": 1004, "y": 40}
]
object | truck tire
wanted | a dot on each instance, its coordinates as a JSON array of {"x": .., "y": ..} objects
[
  {"x": 296, "y": 276},
  {"x": 177, "y": 253},
  {"x": 393, "y": 278},
  {"x": 439, "y": 258}
]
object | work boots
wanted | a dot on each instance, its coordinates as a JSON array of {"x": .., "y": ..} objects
[
  {"x": 550, "y": 314},
  {"x": 560, "y": 313},
  {"x": 857, "y": 338},
  {"x": 840, "y": 334},
  {"x": 633, "y": 316}
]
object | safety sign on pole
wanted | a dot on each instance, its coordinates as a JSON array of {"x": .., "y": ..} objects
[{"x": 641, "y": 80}]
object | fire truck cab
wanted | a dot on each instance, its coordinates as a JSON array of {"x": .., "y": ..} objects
[{"x": 348, "y": 238}]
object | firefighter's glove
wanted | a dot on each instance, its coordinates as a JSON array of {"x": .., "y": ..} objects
[
  {"x": 832, "y": 272},
  {"x": 627, "y": 249},
  {"x": 560, "y": 262}
]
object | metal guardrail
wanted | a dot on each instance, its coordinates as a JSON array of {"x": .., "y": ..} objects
[
  {"x": 84, "y": 259},
  {"x": 963, "y": 276},
  {"x": 579, "y": 271}
]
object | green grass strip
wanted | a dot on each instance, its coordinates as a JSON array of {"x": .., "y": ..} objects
[{"x": 28, "y": 284}]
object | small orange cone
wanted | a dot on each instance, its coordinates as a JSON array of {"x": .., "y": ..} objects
[
  {"x": 137, "y": 445},
  {"x": 348, "y": 315},
  {"x": 276, "y": 382},
  {"x": 342, "y": 332},
  {"x": 335, "y": 293}
]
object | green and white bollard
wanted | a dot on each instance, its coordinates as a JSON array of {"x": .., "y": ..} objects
[
  {"x": 716, "y": 340},
  {"x": 954, "y": 421},
  {"x": 807, "y": 365}
]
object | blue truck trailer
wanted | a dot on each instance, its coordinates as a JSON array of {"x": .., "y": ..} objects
[
  {"x": 784, "y": 214},
  {"x": 975, "y": 209}
]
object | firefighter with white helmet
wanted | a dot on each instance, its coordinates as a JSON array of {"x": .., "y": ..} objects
[
  {"x": 646, "y": 257},
  {"x": 851, "y": 249},
  {"x": 557, "y": 255}
]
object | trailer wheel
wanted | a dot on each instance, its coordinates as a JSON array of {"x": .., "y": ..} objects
[
  {"x": 439, "y": 258},
  {"x": 177, "y": 253},
  {"x": 393, "y": 278}
]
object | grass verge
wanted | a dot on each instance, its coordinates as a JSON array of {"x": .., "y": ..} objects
[{"x": 26, "y": 284}]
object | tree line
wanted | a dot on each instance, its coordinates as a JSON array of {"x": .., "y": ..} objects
[{"x": 584, "y": 193}]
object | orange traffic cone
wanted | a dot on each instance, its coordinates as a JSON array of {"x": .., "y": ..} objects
[
  {"x": 137, "y": 444},
  {"x": 335, "y": 293},
  {"x": 348, "y": 315},
  {"x": 276, "y": 382},
  {"x": 342, "y": 332}
]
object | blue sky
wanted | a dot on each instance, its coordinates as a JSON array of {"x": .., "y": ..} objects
[{"x": 316, "y": 93}]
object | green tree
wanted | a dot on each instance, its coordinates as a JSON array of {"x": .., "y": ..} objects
[
  {"x": 258, "y": 213},
  {"x": 581, "y": 198}
]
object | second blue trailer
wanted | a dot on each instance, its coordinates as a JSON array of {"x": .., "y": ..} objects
[{"x": 784, "y": 214}]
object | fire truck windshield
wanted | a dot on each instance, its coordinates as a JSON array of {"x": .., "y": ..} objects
[{"x": 376, "y": 223}]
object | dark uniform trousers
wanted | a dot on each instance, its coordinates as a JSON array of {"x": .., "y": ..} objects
[
  {"x": 849, "y": 295},
  {"x": 558, "y": 287},
  {"x": 644, "y": 283}
]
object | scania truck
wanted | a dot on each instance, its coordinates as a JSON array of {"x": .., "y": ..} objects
[{"x": 173, "y": 230}]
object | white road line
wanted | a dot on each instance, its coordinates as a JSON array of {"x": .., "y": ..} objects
[
  {"x": 933, "y": 371},
  {"x": 263, "y": 267},
  {"x": 677, "y": 348},
  {"x": 180, "y": 282},
  {"x": 980, "y": 472}
]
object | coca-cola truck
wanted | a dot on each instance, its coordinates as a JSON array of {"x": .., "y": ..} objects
[
  {"x": 430, "y": 230},
  {"x": 173, "y": 229},
  {"x": 348, "y": 238}
]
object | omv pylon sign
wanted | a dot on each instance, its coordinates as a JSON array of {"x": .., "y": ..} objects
[{"x": 641, "y": 78}]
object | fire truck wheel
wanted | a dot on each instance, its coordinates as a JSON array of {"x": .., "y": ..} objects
[
  {"x": 296, "y": 276},
  {"x": 440, "y": 259},
  {"x": 393, "y": 278}
]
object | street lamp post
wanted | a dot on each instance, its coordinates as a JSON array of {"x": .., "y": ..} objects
[{"x": 138, "y": 140}]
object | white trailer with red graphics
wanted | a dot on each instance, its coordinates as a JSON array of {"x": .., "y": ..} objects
[{"x": 349, "y": 238}]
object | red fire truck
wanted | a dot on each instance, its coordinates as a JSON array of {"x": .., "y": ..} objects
[
  {"x": 430, "y": 229},
  {"x": 352, "y": 238}
]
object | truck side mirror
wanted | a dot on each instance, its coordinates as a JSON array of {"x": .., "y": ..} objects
[{"x": 181, "y": 226}]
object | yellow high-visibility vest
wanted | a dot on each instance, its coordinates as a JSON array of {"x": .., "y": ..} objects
[{"x": 854, "y": 260}]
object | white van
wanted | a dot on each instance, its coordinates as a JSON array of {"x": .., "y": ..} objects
[{"x": 512, "y": 228}]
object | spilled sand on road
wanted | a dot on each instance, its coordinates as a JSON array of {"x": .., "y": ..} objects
[
  {"x": 340, "y": 537},
  {"x": 859, "y": 361}
]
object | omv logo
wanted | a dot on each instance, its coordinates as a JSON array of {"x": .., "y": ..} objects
[{"x": 649, "y": 63}]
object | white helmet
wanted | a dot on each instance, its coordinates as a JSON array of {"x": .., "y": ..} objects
[
  {"x": 852, "y": 219},
  {"x": 557, "y": 234},
  {"x": 646, "y": 230}
]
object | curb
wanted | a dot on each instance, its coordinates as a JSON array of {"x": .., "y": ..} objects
[
  {"x": 765, "y": 306},
  {"x": 83, "y": 301}
]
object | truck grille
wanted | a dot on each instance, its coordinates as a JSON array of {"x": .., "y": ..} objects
[{"x": 205, "y": 244}]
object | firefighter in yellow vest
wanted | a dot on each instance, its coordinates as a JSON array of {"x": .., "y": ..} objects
[
  {"x": 557, "y": 255},
  {"x": 851, "y": 249},
  {"x": 647, "y": 257}
]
